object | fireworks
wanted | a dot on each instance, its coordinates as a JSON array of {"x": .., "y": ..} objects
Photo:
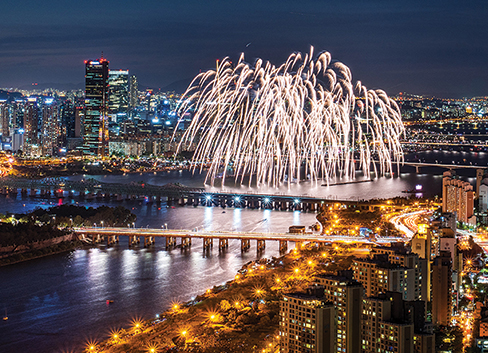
[{"x": 303, "y": 119}]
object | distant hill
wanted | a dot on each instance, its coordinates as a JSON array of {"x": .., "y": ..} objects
[
  {"x": 178, "y": 86},
  {"x": 58, "y": 86},
  {"x": 9, "y": 95}
]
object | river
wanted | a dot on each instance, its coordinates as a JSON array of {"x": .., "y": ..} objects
[{"x": 58, "y": 303}]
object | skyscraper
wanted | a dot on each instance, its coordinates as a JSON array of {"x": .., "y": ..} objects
[
  {"x": 50, "y": 127},
  {"x": 95, "y": 136},
  {"x": 134, "y": 95},
  {"x": 4, "y": 118},
  {"x": 119, "y": 91},
  {"x": 31, "y": 128}
]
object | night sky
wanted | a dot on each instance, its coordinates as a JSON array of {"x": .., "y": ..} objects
[{"x": 425, "y": 47}]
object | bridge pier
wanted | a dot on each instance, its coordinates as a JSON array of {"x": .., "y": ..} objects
[
  {"x": 23, "y": 192},
  {"x": 59, "y": 193},
  {"x": 170, "y": 242},
  {"x": 283, "y": 245},
  {"x": 223, "y": 243},
  {"x": 245, "y": 244},
  {"x": 207, "y": 244},
  {"x": 149, "y": 240},
  {"x": 417, "y": 169},
  {"x": 133, "y": 240},
  {"x": 112, "y": 239},
  {"x": 97, "y": 238},
  {"x": 261, "y": 245},
  {"x": 185, "y": 242},
  {"x": 32, "y": 192}
]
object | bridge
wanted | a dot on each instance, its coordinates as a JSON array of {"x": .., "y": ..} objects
[
  {"x": 111, "y": 235},
  {"x": 418, "y": 165},
  {"x": 90, "y": 189}
]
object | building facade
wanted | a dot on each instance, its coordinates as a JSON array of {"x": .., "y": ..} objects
[
  {"x": 458, "y": 197},
  {"x": 95, "y": 124},
  {"x": 307, "y": 323}
]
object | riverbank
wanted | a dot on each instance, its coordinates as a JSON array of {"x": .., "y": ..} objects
[
  {"x": 241, "y": 315},
  {"x": 58, "y": 248}
]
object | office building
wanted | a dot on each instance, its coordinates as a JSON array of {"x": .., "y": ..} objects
[
  {"x": 31, "y": 128},
  {"x": 95, "y": 125},
  {"x": 50, "y": 131},
  {"x": 119, "y": 93},
  {"x": 134, "y": 93},
  {"x": 4, "y": 118}
]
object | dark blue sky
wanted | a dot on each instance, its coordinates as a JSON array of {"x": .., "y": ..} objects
[{"x": 425, "y": 47}]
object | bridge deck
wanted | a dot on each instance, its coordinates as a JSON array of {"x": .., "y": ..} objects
[{"x": 307, "y": 237}]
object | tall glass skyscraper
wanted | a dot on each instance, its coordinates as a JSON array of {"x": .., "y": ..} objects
[
  {"x": 95, "y": 134},
  {"x": 119, "y": 91}
]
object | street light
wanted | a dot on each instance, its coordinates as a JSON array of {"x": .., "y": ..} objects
[{"x": 166, "y": 226}]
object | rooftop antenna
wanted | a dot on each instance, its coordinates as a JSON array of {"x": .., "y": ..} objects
[{"x": 102, "y": 55}]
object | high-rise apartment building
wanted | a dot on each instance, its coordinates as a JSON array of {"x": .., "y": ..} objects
[
  {"x": 346, "y": 295},
  {"x": 457, "y": 196},
  {"x": 422, "y": 246},
  {"x": 119, "y": 91},
  {"x": 385, "y": 327},
  {"x": 95, "y": 125},
  {"x": 307, "y": 323},
  {"x": 442, "y": 289},
  {"x": 378, "y": 275}
]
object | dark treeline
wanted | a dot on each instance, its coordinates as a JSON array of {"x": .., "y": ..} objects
[
  {"x": 27, "y": 233},
  {"x": 76, "y": 216}
]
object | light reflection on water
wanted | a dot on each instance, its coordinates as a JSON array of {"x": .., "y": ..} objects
[{"x": 59, "y": 301}]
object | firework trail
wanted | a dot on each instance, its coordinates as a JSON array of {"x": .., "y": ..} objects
[{"x": 276, "y": 123}]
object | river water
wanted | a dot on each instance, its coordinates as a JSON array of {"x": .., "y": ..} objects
[{"x": 58, "y": 303}]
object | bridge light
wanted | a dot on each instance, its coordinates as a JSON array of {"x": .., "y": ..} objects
[
  {"x": 208, "y": 197},
  {"x": 297, "y": 201},
  {"x": 267, "y": 200},
  {"x": 237, "y": 198}
]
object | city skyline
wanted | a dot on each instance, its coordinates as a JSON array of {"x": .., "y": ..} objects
[{"x": 435, "y": 49}]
